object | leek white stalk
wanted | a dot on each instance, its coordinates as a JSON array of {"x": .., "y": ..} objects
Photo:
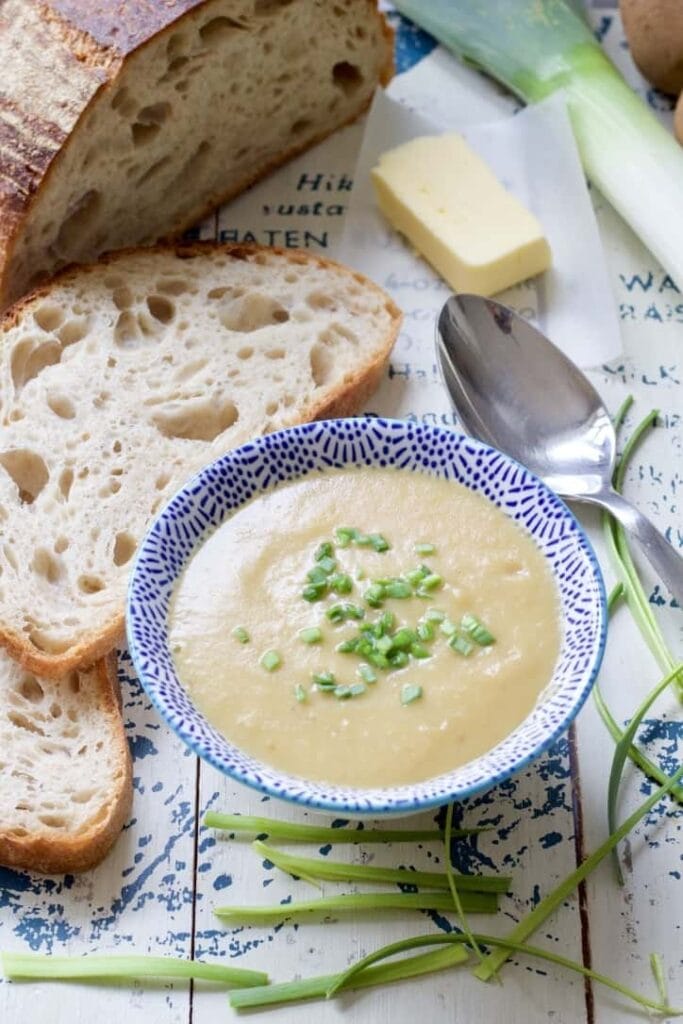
[{"x": 538, "y": 47}]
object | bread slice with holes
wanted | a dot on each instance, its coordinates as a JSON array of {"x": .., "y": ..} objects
[
  {"x": 65, "y": 768},
  {"x": 122, "y": 122},
  {"x": 120, "y": 379}
]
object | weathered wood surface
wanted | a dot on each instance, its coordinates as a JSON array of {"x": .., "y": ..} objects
[{"x": 157, "y": 890}]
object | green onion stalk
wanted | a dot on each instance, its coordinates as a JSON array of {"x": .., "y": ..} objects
[{"x": 540, "y": 47}]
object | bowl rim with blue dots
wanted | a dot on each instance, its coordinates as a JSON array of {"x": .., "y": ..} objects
[{"x": 211, "y": 496}]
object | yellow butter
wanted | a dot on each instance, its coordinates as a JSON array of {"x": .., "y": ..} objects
[{"x": 448, "y": 203}]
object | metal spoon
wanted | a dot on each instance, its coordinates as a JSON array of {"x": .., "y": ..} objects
[{"x": 513, "y": 389}]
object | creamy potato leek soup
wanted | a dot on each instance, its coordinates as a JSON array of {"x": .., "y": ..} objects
[{"x": 367, "y": 627}]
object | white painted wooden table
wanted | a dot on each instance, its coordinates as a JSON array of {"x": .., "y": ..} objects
[{"x": 156, "y": 891}]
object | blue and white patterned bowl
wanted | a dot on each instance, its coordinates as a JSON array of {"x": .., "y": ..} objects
[{"x": 214, "y": 494}]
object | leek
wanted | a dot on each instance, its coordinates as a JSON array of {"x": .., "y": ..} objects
[{"x": 539, "y": 47}]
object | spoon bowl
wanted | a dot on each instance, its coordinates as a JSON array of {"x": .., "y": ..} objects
[{"x": 515, "y": 390}]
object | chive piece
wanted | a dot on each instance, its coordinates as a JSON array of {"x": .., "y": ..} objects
[
  {"x": 317, "y": 575},
  {"x": 403, "y": 638},
  {"x": 363, "y": 540},
  {"x": 337, "y": 871},
  {"x": 335, "y": 613},
  {"x": 419, "y": 651},
  {"x": 477, "y": 630},
  {"x": 379, "y": 543},
  {"x": 398, "y": 588},
  {"x": 425, "y": 549},
  {"x": 398, "y": 659},
  {"x": 356, "y": 689},
  {"x": 348, "y": 646},
  {"x": 384, "y": 644},
  {"x": 474, "y": 902},
  {"x": 415, "y": 576},
  {"x": 311, "y": 635},
  {"x": 314, "y": 591},
  {"x": 386, "y": 621},
  {"x": 300, "y": 693},
  {"x": 317, "y": 988},
  {"x": 410, "y": 692},
  {"x": 458, "y": 643},
  {"x": 324, "y": 680},
  {"x": 448, "y": 627},
  {"x": 430, "y": 582},
  {"x": 366, "y": 673},
  {"x": 425, "y": 631},
  {"x": 287, "y": 830},
  {"x": 374, "y": 595},
  {"x": 271, "y": 660},
  {"x": 528, "y": 925},
  {"x": 378, "y": 659},
  {"x": 40, "y": 965},
  {"x": 240, "y": 633},
  {"x": 356, "y": 975},
  {"x": 340, "y": 583},
  {"x": 324, "y": 551},
  {"x": 342, "y": 692},
  {"x": 326, "y": 564},
  {"x": 435, "y": 615},
  {"x": 344, "y": 535}
]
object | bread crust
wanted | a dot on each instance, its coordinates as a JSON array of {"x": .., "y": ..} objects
[
  {"x": 48, "y": 855},
  {"x": 343, "y": 401},
  {"x": 87, "y": 48}
]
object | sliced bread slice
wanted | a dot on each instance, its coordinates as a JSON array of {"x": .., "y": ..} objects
[
  {"x": 65, "y": 768},
  {"x": 121, "y": 122},
  {"x": 120, "y": 379}
]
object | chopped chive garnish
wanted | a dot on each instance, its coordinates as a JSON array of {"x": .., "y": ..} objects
[
  {"x": 327, "y": 564},
  {"x": 348, "y": 646},
  {"x": 425, "y": 631},
  {"x": 398, "y": 588},
  {"x": 448, "y": 627},
  {"x": 386, "y": 621},
  {"x": 324, "y": 551},
  {"x": 379, "y": 543},
  {"x": 311, "y": 635},
  {"x": 410, "y": 692},
  {"x": 240, "y": 633},
  {"x": 431, "y": 582},
  {"x": 403, "y": 638},
  {"x": 300, "y": 693},
  {"x": 378, "y": 659},
  {"x": 366, "y": 673},
  {"x": 342, "y": 692},
  {"x": 363, "y": 540},
  {"x": 419, "y": 650},
  {"x": 340, "y": 583},
  {"x": 317, "y": 575},
  {"x": 425, "y": 549},
  {"x": 324, "y": 680},
  {"x": 314, "y": 591},
  {"x": 398, "y": 659},
  {"x": 384, "y": 644},
  {"x": 477, "y": 630},
  {"x": 460, "y": 644},
  {"x": 374, "y": 595},
  {"x": 435, "y": 615},
  {"x": 271, "y": 660},
  {"x": 415, "y": 576},
  {"x": 344, "y": 535},
  {"x": 356, "y": 689}
]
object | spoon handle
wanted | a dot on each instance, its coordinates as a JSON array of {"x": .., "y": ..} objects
[{"x": 664, "y": 559}]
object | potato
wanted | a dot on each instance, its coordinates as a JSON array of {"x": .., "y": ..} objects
[{"x": 654, "y": 29}]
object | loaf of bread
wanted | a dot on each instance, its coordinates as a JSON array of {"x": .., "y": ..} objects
[
  {"x": 120, "y": 379},
  {"x": 121, "y": 122},
  {"x": 65, "y": 770}
]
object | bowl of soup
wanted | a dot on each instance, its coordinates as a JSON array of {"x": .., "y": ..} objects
[{"x": 366, "y": 616}]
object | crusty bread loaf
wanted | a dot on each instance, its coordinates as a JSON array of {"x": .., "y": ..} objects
[
  {"x": 65, "y": 769},
  {"x": 121, "y": 122},
  {"x": 120, "y": 379}
]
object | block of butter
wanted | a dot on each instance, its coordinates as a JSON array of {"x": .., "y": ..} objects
[{"x": 448, "y": 203}]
